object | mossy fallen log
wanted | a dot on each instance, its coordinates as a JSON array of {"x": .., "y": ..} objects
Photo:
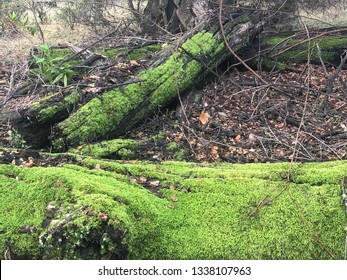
[
  {"x": 129, "y": 149},
  {"x": 173, "y": 71},
  {"x": 117, "y": 111},
  {"x": 282, "y": 51},
  {"x": 111, "y": 149},
  {"x": 95, "y": 209},
  {"x": 35, "y": 123}
]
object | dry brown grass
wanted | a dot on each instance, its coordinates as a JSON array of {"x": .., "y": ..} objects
[
  {"x": 334, "y": 16},
  {"x": 15, "y": 47}
]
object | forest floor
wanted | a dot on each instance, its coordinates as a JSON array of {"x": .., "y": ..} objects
[
  {"x": 298, "y": 115},
  {"x": 231, "y": 118},
  {"x": 192, "y": 211}
]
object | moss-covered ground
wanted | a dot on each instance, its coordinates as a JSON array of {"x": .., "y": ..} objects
[{"x": 105, "y": 209}]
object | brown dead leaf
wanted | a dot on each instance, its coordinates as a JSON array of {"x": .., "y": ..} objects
[
  {"x": 103, "y": 216},
  {"x": 214, "y": 151},
  {"x": 252, "y": 138},
  {"x": 92, "y": 78},
  {"x": 92, "y": 89},
  {"x": 174, "y": 198},
  {"x": 134, "y": 62},
  {"x": 204, "y": 116},
  {"x": 222, "y": 114},
  {"x": 30, "y": 162},
  {"x": 237, "y": 138},
  {"x": 279, "y": 125},
  {"x": 172, "y": 187},
  {"x": 50, "y": 207},
  {"x": 154, "y": 183},
  {"x": 97, "y": 166},
  {"x": 88, "y": 212},
  {"x": 232, "y": 149},
  {"x": 142, "y": 180}
]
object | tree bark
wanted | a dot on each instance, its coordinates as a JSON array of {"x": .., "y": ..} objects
[{"x": 172, "y": 15}]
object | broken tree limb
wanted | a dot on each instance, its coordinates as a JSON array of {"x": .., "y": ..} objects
[
  {"x": 174, "y": 71},
  {"x": 281, "y": 50},
  {"x": 125, "y": 110}
]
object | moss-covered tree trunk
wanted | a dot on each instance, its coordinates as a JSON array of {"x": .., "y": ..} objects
[
  {"x": 173, "y": 71},
  {"x": 282, "y": 50}
]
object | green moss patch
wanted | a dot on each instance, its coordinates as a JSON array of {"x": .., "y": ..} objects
[
  {"x": 207, "y": 211},
  {"x": 124, "y": 107},
  {"x": 134, "y": 54},
  {"x": 142, "y": 52},
  {"x": 329, "y": 47},
  {"x": 71, "y": 212},
  {"x": 54, "y": 107},
  {"x": 116, "y": 149}
]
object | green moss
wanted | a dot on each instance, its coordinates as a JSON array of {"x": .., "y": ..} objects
[
  {"x": 143, "y": 52},
  {"x": 172, "y": 146},
  {"x": 116, "y": 149},
  {"x": 246, "y": 18},
  {"x": 15, "y": 139},
  {"x": 47, "y": 112},
  {"x": 271, "y": 64},
  {"x": 76, "y": 197},
  {"x": 37, "y": 105},
  {"x": 210, "y": 217},
  {"x": 65, "y": 53},
  {"x": 210, "y": 221},
  {"x": 328, "y": 46},
  {"x": 178, "y": 152},
  {"x": 160, "y": 136},
  {"x": 101, "y": 116},
  {"x": 112, "y": 53},
  {"x": 280, "y": 40},
  {"x": 135, "y": 54},
  {"x": 61, "y": 52},
  {"x": 198, "y": 96}
]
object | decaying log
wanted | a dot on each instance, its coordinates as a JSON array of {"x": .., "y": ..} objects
[
  {"x": 173, "y": 71},
  {"x": 281, "y": 50}
]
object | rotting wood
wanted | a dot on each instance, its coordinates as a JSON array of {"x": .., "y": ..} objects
[{"x": 172, "y": 72}]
